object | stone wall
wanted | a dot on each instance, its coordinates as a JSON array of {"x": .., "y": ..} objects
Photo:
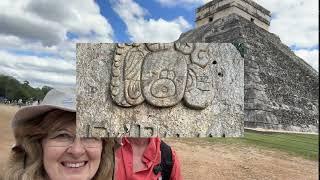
[
  {"x": 281, "y": 89},
  {"x": 248, "y": 9},
  {"x": 168, "y": 90}
]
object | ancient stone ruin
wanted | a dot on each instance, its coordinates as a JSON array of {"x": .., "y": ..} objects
[
  {"x": 247, "y": 9},
  {"x": 160, "y": 89},
  {"x": 281, "y": 89}
]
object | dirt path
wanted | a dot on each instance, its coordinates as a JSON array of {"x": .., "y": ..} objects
[
  {"x": 6, "y": 136},
  {"x": 201, "y": 160},
  {"x": 204, "y": 161}
]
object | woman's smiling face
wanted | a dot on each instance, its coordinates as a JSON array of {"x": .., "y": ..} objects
[{"x": 66, "y": 156}]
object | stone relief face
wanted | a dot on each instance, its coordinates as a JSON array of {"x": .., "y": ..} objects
[{"x": 162, "y": 75}]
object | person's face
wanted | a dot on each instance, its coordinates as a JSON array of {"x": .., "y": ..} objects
[{"x": 67, "y": 157}]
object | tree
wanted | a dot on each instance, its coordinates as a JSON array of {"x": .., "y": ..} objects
[{"x": 12, "y": 89}]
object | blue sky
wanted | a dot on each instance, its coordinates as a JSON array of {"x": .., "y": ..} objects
[
  {"x": 38, "y": 37},
  {"x": 155, "y": 10}
]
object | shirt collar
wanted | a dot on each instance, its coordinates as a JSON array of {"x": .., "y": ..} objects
[{"x": 152, "y": 151}]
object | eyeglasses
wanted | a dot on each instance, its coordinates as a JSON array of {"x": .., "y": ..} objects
[{"x": 66, "y": 139}]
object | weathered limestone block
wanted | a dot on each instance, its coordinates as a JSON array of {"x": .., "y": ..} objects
[{"x": 160, "y": 89}]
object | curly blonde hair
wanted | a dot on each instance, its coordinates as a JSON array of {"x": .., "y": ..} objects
[{"x": 25, "y": 161}]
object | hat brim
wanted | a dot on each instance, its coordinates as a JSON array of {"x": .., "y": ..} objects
[{"x": 30, "y": 112}]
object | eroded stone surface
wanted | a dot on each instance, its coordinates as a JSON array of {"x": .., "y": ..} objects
[
  {"x": 159, "y": 89},
  {"x": 281, "y": 89}
]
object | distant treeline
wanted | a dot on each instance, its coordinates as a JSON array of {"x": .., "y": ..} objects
[{"x": 13, "y": 90}]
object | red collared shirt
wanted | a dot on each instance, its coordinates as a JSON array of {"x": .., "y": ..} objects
[{"x": 151, "y": 158}]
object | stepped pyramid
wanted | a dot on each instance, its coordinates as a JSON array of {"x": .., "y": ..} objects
[{"x": 281, "y": 89}]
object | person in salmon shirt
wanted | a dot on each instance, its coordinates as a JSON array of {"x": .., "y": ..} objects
[{"x": 146, "y": 158}]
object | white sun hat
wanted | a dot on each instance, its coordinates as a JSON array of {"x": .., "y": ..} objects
[{"x": 63, "y": 99}]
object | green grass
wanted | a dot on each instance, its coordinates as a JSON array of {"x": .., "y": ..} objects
[{"x": 304, "y": 145}]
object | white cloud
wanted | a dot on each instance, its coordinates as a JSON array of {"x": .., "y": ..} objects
[
  {"x": 141, "y": 29},
  {"x": 38, "y": 71},
  {"x": 40, "y": 28},
  {"x": 48, "y": 21},
  {"x": 310, "y": 56},
  {"x": 34, "y": 30},
  {"x": 295, "y": 21},
  {"x": 184, "y": 3}
]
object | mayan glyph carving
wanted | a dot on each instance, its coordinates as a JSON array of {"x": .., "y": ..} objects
[
  {"x": 126, "y": 67},
  {"x": 159, "y": 89},
  {"x": 197, "y": 94},
  {"x": 162, "y": 74}
]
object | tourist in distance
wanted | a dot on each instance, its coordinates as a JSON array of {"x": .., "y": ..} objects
[
  {"x": 47, "y": 146},
  {"x": 146, "y": 158}
]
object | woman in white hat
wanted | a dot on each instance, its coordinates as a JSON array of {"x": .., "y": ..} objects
[{"x": 47, "y": 146}]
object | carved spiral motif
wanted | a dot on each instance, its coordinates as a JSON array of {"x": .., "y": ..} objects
[{"x": 200, "y": 56}]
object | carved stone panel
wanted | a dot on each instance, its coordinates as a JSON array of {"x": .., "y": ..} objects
[
  {"x": 159, "y": 89},
  {"x": 198, "y": 93},
  {"x": 164, "y": 76},
  {"x": 126, "y": 74},
  {"x": 132, "y": 74}
]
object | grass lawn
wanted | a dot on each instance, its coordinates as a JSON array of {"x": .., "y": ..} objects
[{"x": 305, "y": 145}]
